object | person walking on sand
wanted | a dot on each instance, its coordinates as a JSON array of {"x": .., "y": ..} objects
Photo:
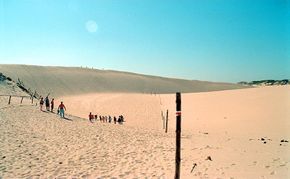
[
  {"x": 122, "y": 118},
  {"x": 61, "y": 109},
  {"x": 119, "y": 120},
  {"x": 47, "y": 103},
  {"x": 52, "y": 105},
  {"x": 115, "y": 119},
  {"x": 91, "y": 117},
  {"x": 41, "y": 102}
]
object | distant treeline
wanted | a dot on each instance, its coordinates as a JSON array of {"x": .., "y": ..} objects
[{"x": 265, "y": 82}]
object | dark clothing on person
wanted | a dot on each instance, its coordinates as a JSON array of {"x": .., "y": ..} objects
[
  {"x": 91, "y": 117},
  {"x": 121, "y": 119},
  {"x": 47, "y": 103},
  {"x": 52, "y": 105},
  {"x": 41, "y": 102}
]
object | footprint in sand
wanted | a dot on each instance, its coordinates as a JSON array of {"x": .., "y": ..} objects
[{"x": 283, "y": 165}]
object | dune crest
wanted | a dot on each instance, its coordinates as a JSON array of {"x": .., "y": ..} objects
[{"x": 60, "y": 81}]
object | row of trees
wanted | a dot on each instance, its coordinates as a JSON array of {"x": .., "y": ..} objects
[{"x": 266, "y": 82}]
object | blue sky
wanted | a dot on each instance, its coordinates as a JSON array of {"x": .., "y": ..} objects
[{"x": 214, "y": 40}]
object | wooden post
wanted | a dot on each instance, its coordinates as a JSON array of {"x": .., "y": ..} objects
[
  {"x": 9, "y": 101},
  {"x": 178, "y": 135},
  {"x": 21, "y": 100},
  {"x": 166, "y": 126},
  {"x": 163, "y": 120},
  {"x": 31, "y": 99}
]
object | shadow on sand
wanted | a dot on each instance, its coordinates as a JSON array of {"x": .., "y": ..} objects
[{"x": 66, "y": 118}]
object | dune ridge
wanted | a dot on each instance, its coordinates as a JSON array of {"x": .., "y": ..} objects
[
  {"x": 60, "y": 81},
  {"x": 240, "y": 133}
]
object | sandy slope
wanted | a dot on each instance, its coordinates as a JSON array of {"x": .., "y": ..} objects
[
  {"x": 41, "y": 144},
  {"x": 60, "y": 81},
  {"x": 255, "y": 110},
  {"x": 140, "y": 110},
  {"x": 259, "y": 111},
  {"x": 228, "y": 126},
  {"x": 10, "y": 88}
]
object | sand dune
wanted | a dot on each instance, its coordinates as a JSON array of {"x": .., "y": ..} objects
[
  {"x": 60, "y": 81},
  {"x": 225, "y": 134},
  {"x": 226, "y": 126},
  {"x": 254, "y": 110},
  {"x": 140, "y": 110},
  {"x": 260, "y": 111},
  {"x": 241, "y": 129},
  {"x": 39, "y": 144}
]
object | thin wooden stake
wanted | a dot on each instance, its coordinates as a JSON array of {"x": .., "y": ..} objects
[
  {"x": 166, "y": 126},
  {"x": 21, "y": 100},
  {"x": 9, "y": 100},
  {"x": 163, "y": 120}
]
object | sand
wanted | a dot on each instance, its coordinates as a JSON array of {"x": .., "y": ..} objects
[
  {"x": 231, "y": 126},
  {"x": 255, "y": 110},
  {"x": 39, "y": 144},
  {"x": 61, "y": 81},
  {"x": 140, "y": 110},
  {"x": 9, "y": 88},
  {"x": 241, "y": 131}
]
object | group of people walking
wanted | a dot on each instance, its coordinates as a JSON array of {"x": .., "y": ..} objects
[
  {"x": 106, "y": 119},
  {"x": 50, "y": 106},
  {"x": 61, "y": 109}
]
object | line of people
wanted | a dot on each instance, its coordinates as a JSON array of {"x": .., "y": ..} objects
[
  {"x": 50, "y": 106},
  {"x": 106, "y": 119},
  {"x": 61, "y": 109}
]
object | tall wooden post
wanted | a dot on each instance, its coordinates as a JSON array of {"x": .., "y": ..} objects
[
  {"x": 31, "y": 99},
  {"x": 9, "y": 101},
  {"x": 21, "y": 100},
  {"x": 178, "y": 135}
]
